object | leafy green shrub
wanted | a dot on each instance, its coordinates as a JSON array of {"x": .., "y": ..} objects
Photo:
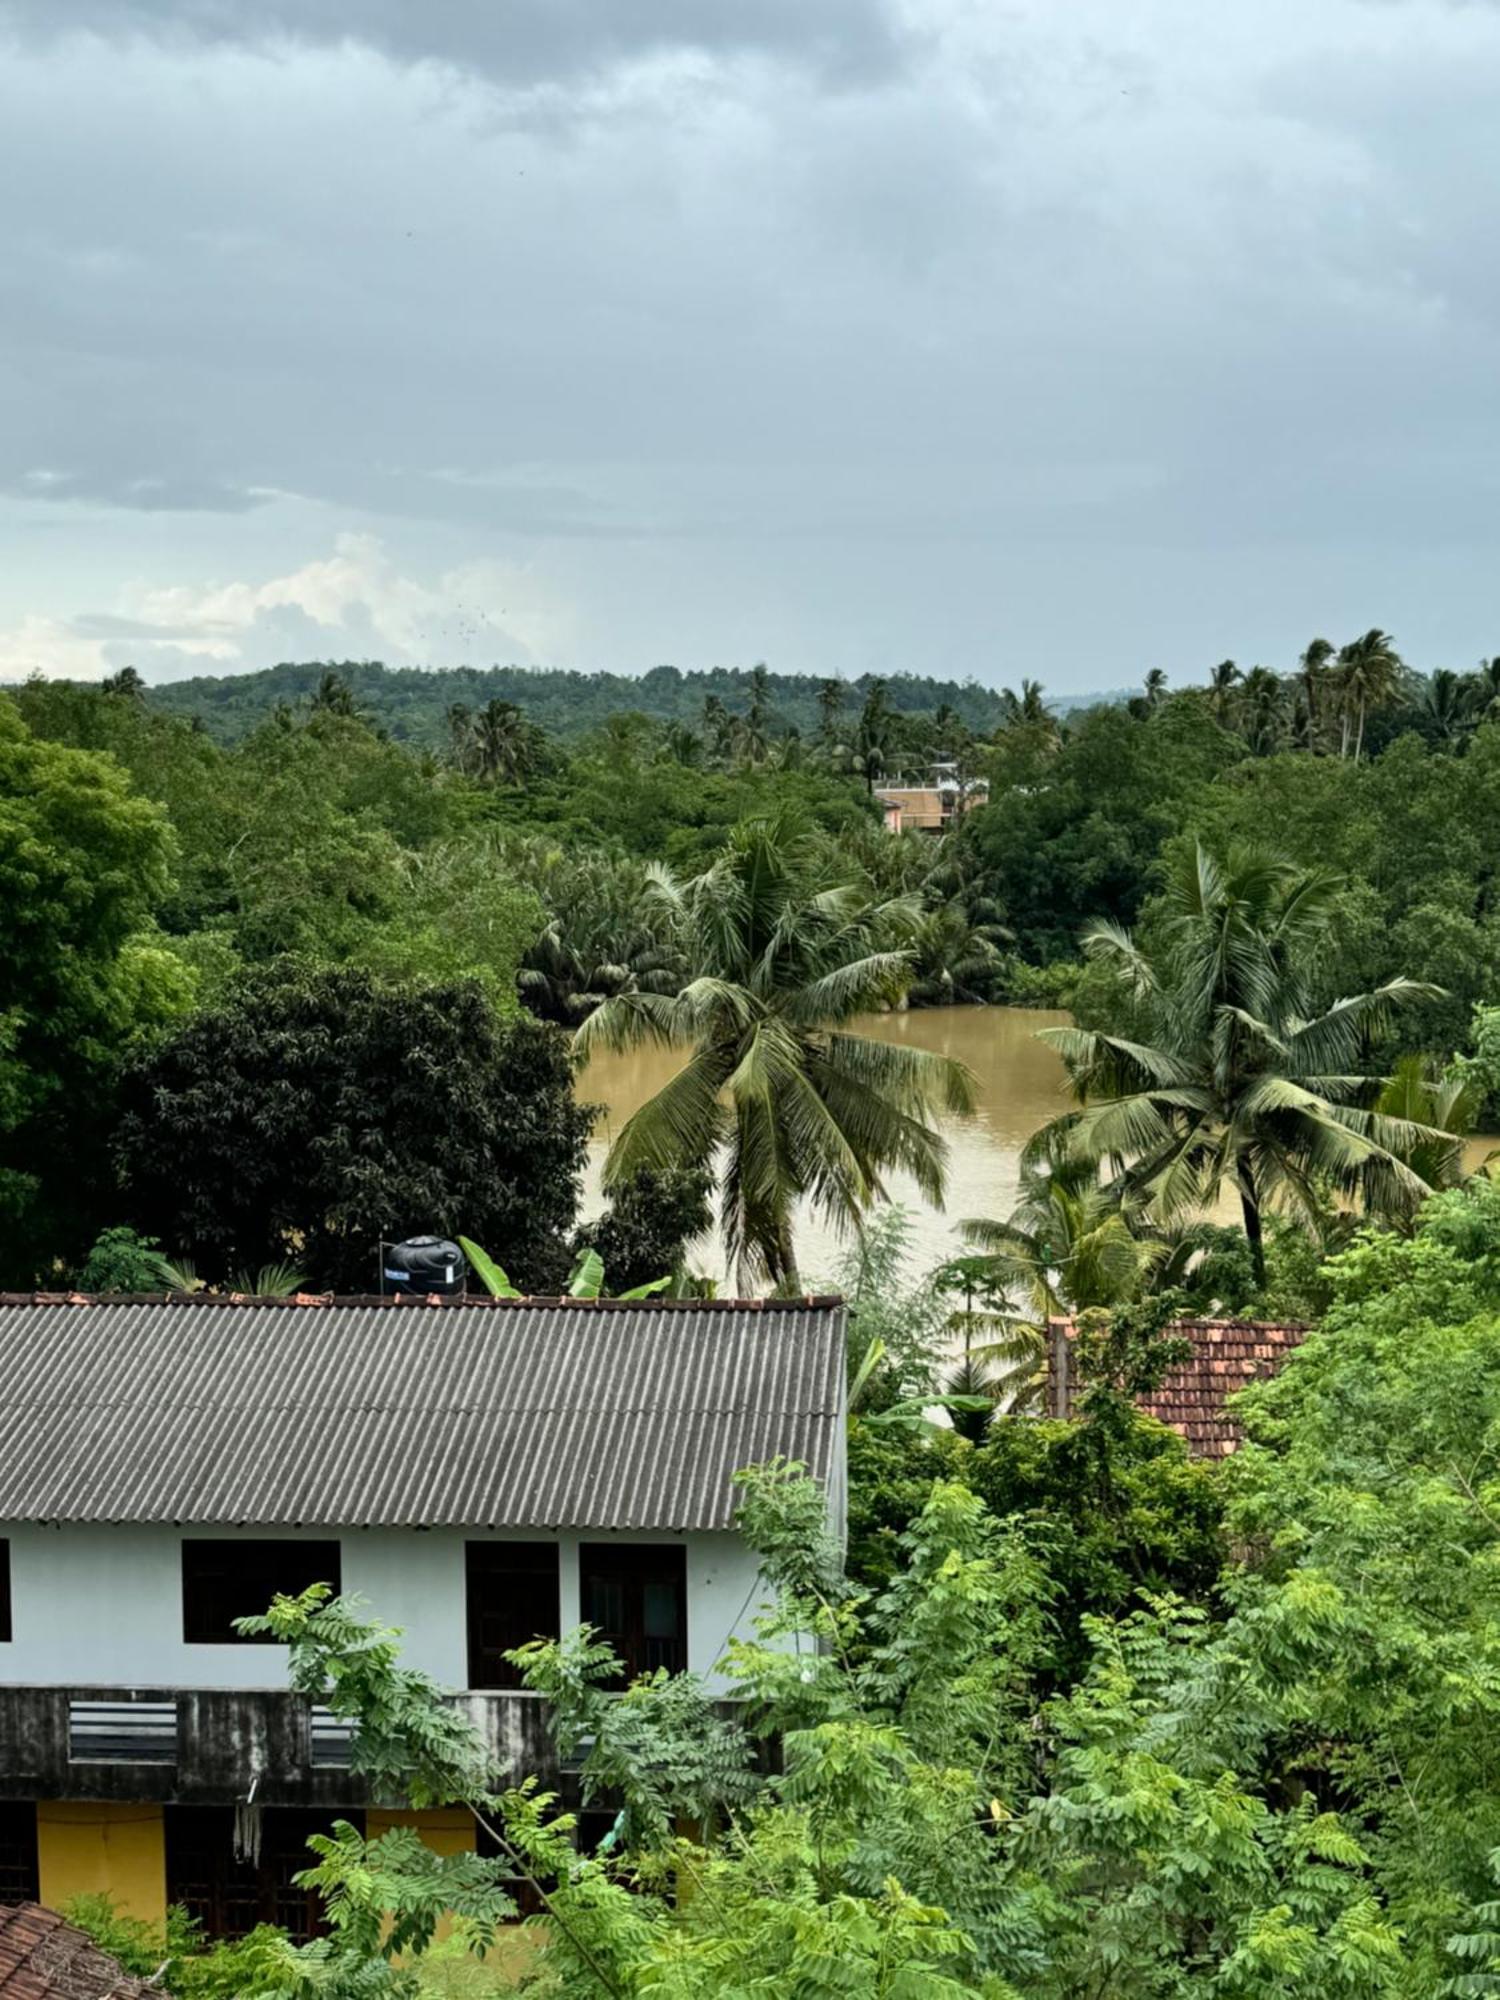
[
  {"x": 122, "y": 1260},
  {"x": 175, "y": 1953},
  {"x": 1021, "y": 984}
]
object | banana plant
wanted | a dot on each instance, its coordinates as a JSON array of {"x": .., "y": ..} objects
[
  {"x": 585, "y": 1282},
  {"x": 487, "y": 1271},
  {"x": 911, "y": 1412}
]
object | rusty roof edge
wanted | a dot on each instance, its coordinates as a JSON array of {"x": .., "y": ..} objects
[
  {"x": 811, "y": 1302},
  {"x": 1070, "y": 1325}
]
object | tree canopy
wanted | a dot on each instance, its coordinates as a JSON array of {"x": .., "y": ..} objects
[
  {"x": 313, "y": 1113},
  {"x": 84, "y": 863}
]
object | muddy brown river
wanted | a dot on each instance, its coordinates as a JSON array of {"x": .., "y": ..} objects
[{"x": 1020, "y": 1085}]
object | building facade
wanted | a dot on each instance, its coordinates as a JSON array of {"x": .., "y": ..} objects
[
  {"x": 933, "y": 806},
  {"x": 481, "y": 1473}
]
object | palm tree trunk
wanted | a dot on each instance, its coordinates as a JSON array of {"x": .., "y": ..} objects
[
  {"x": 1359, "y": 742},
  {"x": 1344, "y": 734},
  {"x": 1250, "y": 1209},
  {"x": 788, "y": 1278}
]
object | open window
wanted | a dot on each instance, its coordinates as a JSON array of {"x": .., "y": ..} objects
[
  {"x": 225, "y": 1580},
  {"x": 635, "y": 1595},
  {"x": 512, "y": 1598}
]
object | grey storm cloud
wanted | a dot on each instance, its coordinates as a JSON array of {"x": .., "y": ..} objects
[
  {"x": 1048, "y": 339},
  {"x": 517, "y": 40},
  {"x": 161, "y": 493}
]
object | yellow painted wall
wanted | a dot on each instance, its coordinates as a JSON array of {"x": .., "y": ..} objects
[
  {"x": 113, "y": 1850},
  {"x": 120, "y": 1850},
  {"x": 447, "y": 1830}
]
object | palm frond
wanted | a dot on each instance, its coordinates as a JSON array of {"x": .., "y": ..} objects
[
  {"x": 1333, "y": 1040},
  {"x": 271, "y": 1281},
  {"x": 628, "y": 1020},
  {"x": 861, "y": 986},
  {"x": 919, "y": 1081},
  {"x": 683, "y": 1124}
]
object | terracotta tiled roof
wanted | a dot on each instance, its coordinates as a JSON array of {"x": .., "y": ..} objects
[
  {"x": 1228, "y": 1354},
  {"x": 43, "y": 1958}
]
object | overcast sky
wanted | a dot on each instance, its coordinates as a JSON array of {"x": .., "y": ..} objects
[{"x": 995, "y": 337}]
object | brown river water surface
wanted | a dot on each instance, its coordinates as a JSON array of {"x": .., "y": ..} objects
[{"x": 1020, "y": 1085}]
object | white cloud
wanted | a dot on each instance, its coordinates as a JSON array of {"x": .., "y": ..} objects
[
  {"x": 39, "y": 645},
  {"x": 355, "y": 603}
]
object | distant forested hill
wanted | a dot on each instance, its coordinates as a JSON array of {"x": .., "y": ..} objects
[{"x": 412, "y": 703}]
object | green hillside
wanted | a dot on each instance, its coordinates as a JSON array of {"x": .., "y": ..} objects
[{"x": 412, "y": 703}]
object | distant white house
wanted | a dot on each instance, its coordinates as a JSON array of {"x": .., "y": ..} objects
[{"x": 483, "y": 1472}]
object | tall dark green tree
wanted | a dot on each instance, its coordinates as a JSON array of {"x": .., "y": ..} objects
[
  {"x": 84, "y": 864},
  {"x": 314, "y": 1113}
]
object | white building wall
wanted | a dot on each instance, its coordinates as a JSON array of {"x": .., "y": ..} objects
[{"x": 102, "y": 1605}]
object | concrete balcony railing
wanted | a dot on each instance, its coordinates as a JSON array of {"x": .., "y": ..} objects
[{"x": 206, "y": 1746}]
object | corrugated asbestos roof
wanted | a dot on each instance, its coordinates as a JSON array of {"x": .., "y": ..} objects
[
  {"x": 371, "y": 1413},
  {"x": 44, "y": 1958},
  {"x": 1228, "y": 1355}
]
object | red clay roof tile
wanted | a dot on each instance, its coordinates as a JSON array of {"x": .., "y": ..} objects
[
  {"x": 1227, "y": 1356},
  {"x": 44, "y": 1958}
]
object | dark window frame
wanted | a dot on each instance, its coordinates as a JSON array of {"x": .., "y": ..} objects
[
  {"x": 528, "y": 1568},
  {"x": 20, "y": 1874},
  {"x": 229, "y": 1897},
  {"x": 630, "y": 1568},
  {"x": 7, "y": 1618},
  {"x": 218, "y": 1572}
]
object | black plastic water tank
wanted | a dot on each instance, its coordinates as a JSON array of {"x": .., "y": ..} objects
[{"x": 424, "y": 1265}]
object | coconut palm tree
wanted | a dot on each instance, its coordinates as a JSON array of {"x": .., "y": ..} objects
[
  {"x": 1154, "y": 693},
  {"x": 1229, "y": 1075},
  {"x": 1067, "y": 1246},
  {"x": 460, "y": 732},
  {"x": 334, "y": 695},
  {"x": 956, "y": 958},
  {"x": 1368, "y": 674},
  {"x": 718, "y": 728},
  {"x": 498, "y": 744},
  {"x": 1446, "y": 1107},
  {"x": 1262, "y": 711},
  {"x": 830, "y": 707},
  {"x": 1448, "y": 706},
  {"x": 867, "y": 753},
  {"x": 680, "y": 744},
  {"x": 782, "y": 960},
  {"x": 752, "y": 736},
  {"x": 127, "y": 682},
  {"x": 1485, "y": 683},
  {"x": 1312, "y": 668},
  {"x": 1221, "y": 684}
]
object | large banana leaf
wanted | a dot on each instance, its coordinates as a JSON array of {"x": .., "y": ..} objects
[{"x": 487, "y": 1271}]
